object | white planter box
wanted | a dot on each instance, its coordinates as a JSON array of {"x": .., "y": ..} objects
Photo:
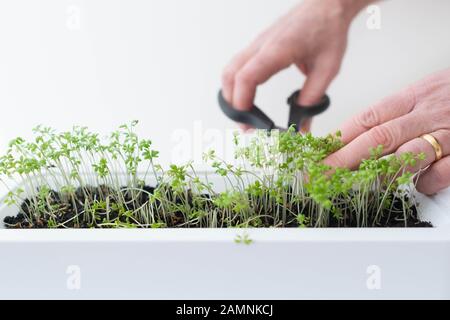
[{"x": 208, "y": 264}]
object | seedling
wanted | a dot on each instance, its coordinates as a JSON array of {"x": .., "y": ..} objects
[
  {"x": 76, "y": 179},
  {"x": 243, "y": 239}
]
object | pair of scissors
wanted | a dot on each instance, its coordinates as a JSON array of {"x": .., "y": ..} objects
[{"x": 259, "y": 120}]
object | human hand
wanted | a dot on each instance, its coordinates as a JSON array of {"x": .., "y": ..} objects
[
  {"x": 312, "y": 36},
  {"x": 397, "y": 123}
]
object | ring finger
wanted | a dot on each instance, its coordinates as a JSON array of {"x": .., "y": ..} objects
[{"x": 420, "y": 145}]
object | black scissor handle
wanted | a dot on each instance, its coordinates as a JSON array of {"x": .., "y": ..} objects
[
  {"x": 298, "y": 114},
  {"x": 259, "y": 120},
  {"x": 255, "y": 117}
]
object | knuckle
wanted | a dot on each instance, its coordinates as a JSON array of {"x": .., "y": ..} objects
[
  {"x": 410, "y": 95},
  {"x": 368, "y": 119},
  {"x": 273, "y": 52},
  {"x": 228, "y": 75},
  {"x": 382, "y": 135},
  {"x": 268, "y": 52},
  {"x": 244, "y": 77},
  {"x": 336, "y": 160},
  {"x": 283, "y": 42},
  {"x": 438, "y": 117}
]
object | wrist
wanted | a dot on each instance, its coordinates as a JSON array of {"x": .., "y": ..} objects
[{"x": 351, "y": 8}]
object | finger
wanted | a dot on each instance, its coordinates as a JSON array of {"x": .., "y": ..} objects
[
  {"x": 256, "y": 71},
  {"x": 302, "y": 67},
  {"x": 230, "y": 73},
  {"x": 240, "y": 60},
  {"x": 246, "y": 128},
  {"x": 232, "y": 68},
  {"x": 317, "y": 81},
  {"x": 387, "y": 109},
  {"x": 390, "y": 135},
  {"x": 420, "y": 145},
  {"x": 436, "y": 178},
  {"x": 306, "y": 126}
]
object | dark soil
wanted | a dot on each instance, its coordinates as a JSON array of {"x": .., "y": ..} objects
[{"x": 67, "y": 213}]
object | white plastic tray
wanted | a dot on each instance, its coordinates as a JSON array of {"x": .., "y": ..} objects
[{"x": 208, "y": 264}]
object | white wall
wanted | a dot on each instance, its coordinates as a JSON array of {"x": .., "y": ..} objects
[{"x": 160, "y": 61}]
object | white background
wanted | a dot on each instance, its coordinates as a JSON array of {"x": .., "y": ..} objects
[{"x": 160, "y": 61}]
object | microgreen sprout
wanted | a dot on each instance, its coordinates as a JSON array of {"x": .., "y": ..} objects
[
  {"x": 77, "y": 179},
  {"x": 243, "y": 239}
]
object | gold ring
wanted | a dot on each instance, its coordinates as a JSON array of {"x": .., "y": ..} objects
[{"x": 435, "y": 144}]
